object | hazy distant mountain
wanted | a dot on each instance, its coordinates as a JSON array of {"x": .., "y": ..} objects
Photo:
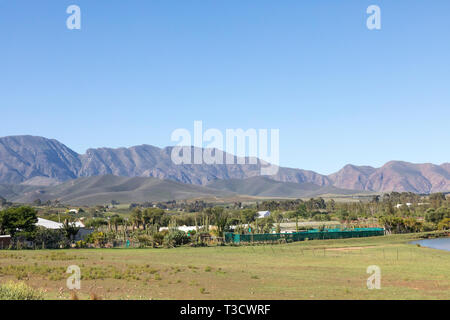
[
  {"x": 27, "y": 157},
  {"x": 352, "y": 177},
  {"x": 16, "y": 191},
  {"x": 103, "y": 189},
  {"x": 395, "y": 176},
  {"x": 404, "y": 176},
  {"x": 265, "y": 187},
  {"x": 150, "y": 161},
  {"x": 35, "y": 160}
]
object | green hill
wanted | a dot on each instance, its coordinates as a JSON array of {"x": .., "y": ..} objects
[
  {"x": 103, "y": 189},
  {"x": 265, "y": 187}
]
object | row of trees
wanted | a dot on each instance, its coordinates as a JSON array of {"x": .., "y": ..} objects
[
  {"x": 414, "y": 217},
  {"x": 20, "y": 224}
]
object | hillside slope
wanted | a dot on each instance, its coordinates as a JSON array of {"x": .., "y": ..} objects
[
  {"x": 104, "y": 189},
  {"x": 265, "y": 187}
]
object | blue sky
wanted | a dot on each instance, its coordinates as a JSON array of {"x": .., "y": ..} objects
[{"x": 137, "y": 70}]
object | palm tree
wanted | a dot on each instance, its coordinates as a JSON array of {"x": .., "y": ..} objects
[
  {"x": 300, "y": 212},
  {"x": 136, "y": 218},
  {"x": 220, "y": 219},
  {"x": 115, "y": 221},
  {"x": 69, "y": 229}
]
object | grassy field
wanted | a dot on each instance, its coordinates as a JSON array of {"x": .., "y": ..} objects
[{"x": 326, "y": 269}]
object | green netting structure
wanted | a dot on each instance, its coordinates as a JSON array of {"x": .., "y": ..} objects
[{"x": 313, "y": 234}]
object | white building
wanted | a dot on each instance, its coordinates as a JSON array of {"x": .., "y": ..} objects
[
  {"x": 48, "y": 224},
  {"x": 263, "y": 214},
  {"x": 182, "y": 228},
  {"x": 399, "y": 205},
  {"x": 81, "y": 234}
]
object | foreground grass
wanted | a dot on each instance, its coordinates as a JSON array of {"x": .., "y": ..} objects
[
  {"x": 19, "y": 291},
  {"x": 324, "y": 269}
]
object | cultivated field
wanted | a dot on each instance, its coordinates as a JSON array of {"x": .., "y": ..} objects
[{"x": 327, "y": 269}]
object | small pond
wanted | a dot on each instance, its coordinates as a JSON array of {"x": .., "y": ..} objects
[{"x": 439, "y": 243}]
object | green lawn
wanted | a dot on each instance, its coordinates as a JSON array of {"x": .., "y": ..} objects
[{"x": 324, "y": 269}]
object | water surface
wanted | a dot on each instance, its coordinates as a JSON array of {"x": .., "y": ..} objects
[{"x": 439, "y": 243}]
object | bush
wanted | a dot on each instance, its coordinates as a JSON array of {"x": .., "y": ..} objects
[
  {"x": 158, "y": 238},
  {"x": 321, "y": 217},
  {"x": 438, "y": 215},
  {"x": 49, "y": 239},
  {"x": 444, "y": 224},
  {"x": 176, "y": 238},
  {"x": 99, "y": 239},
  {"x": 145, "y": 240},
  {"x": 80, "y": 244},
  {"x": 428, "y": 226},
  {"x": 19, "y": 291},
  {"x": 394, "y": 224}
]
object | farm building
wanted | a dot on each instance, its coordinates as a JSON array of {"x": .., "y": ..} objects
[
  {"x": 263, "y": 214},
  {"x": 5, "y": 241},
  {"x": 48, "y": 224}
]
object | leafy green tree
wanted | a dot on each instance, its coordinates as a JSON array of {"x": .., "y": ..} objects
[
  {"x": 343, "y": 215},
  {"x": 96, "y": 223},
  {"x": 389, "y": 208},
  {"x": 248, "y": 216},
  {"x": 300, "y": 212},
  {"x": 444, "y": 224},
  {"x": 152, "y": 216},
  {"x": 437, "y": 199},
  {"x": 436, "y": 216},
  {"x": 22, "y": 219}
]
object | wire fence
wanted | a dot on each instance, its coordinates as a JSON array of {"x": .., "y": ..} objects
[{"x": 314, "y": 234}]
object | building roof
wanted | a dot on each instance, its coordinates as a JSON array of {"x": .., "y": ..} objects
[
  {"x": 263, "y": 214},
  {"x": 48, "y": 224}
]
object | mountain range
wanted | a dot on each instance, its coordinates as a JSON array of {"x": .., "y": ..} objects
[
  {"x": 31, "y": 160},
  {"x": 103, "y": 189}
]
